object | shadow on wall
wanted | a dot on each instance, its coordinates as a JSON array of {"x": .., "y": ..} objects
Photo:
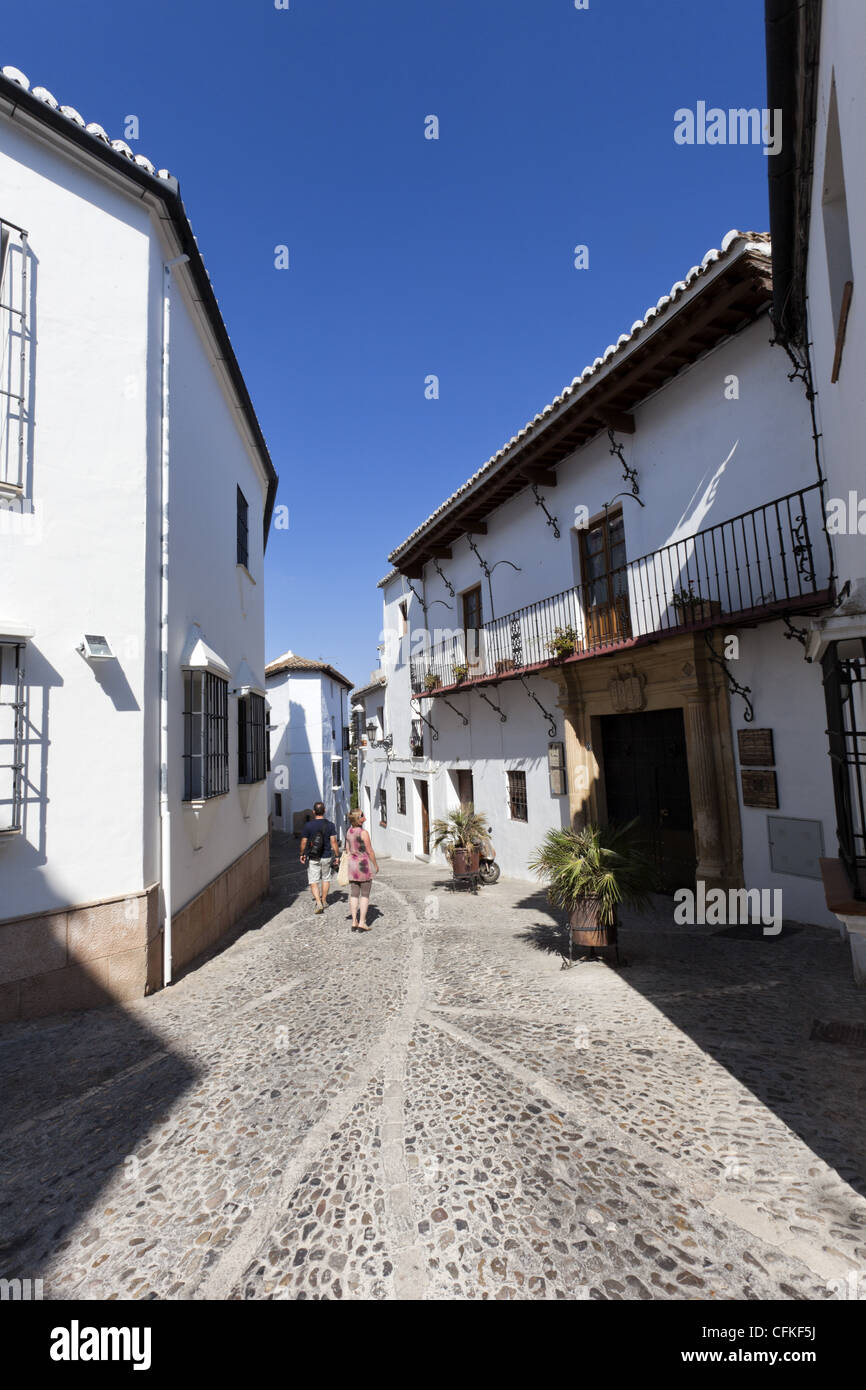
[{"x": 29, "y": 850}]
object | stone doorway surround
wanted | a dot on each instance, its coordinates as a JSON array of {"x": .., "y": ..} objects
[{"x": 668, "y": 674}]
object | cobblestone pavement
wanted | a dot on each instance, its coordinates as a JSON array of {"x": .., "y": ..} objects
[{"x": 438, "y": 1109}]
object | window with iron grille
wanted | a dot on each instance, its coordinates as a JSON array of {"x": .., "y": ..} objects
[
  {"x": 517, "y": 796},
  {"x": 347, "y": 740},
  {"x": 401, "y": 796},
  {"x": 383, "y": 807},
  {"x": 416, "y": 738},
  {"x": 15, "y": 345},
  {"x": 205, "y": 735},
  {"x": 844, "y": 668},
  {"x": 243, "y": 530},
  {"x": 252, "y": 739},
  {"x": 12, "y": 709},
  {"x": 337, "y": 772}
]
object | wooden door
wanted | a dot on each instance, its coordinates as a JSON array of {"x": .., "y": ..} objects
[
  {"x": 424, "y": 797},
  {"x": 471, "y": 603},
  {"x": 646, "y": 776},
  {"x": 465, "y": 788},
  {"x": 605, "y": 581}
]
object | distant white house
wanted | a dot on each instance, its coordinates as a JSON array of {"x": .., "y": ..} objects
[
  {"x": 309, "y": 729},
  {"x": 135, "y": 497}
]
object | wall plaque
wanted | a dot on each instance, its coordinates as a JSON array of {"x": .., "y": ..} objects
[
  {"x": 556, "y": 767},
  {"x": 626, "y": 691},
  {"x": 759, "y": 789},
  {"x": 756, "y": 747}
]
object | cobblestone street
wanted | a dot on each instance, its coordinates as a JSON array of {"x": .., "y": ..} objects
[{"x": 438, "y": 1109}]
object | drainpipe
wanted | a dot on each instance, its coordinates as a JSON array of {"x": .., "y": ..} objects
[{"x": 164, "y": 813}]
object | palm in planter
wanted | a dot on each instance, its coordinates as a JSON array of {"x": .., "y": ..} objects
[
  {"x": 459, "y": 834},
  {"x": 589, "y": 872}
]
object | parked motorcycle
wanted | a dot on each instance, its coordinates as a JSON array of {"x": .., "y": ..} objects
[{"x": 488, "y": 869}]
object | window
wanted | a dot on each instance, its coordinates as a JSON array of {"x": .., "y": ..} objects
[
  {"x": 278, "y": 805},
  {"x": 471, "y": 602},
  {"x": 337, "y": 772},
  {"x": 383, "y": 807},
  {"x": 243, "y": 531},
  {"x": 252, "y": 763},
  {"x": 205, "y": 735},
  {"x": 404, "y": 617},
  {"x": 347, "y": 743},
  {"x": 416, "y": 739},
  {"x": 605, "y": 578},
  {"x": 401, "y": 796},
  {"x": 844, "y": 670},
  {"x": 837, "y": 236},
  {"x": 12, "y": 702},
  {"x": 16, "y": 334},
  {"x": 380, "y": 715},
  {"x": 517, "y": 796}
]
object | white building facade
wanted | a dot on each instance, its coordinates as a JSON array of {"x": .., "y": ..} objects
[
  {"x": 816, "y": 55},
  {"x": 309, "y": 741},
  {"x": 598, "y": 625},
  {"x": 135, "y": 495}
]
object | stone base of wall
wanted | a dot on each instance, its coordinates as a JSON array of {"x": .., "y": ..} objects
[
  {"x": 95, "y": 954},
  {"x": 80, "y": 957},
  {"x": 200, "y": 925}
]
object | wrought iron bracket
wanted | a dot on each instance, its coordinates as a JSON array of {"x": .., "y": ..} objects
[
  {"x": 629, "y": 475},
  {"x": 445, "y": 580},
  {"x": 503, "y": 718},
  {"x": 413, "y": 590},
  {"x": 551, "y": 520},
  {"x": 733, "y": 686},
  {"x": 482, "y": 562},
  {"x": 455, "y": 709},
  {"x": 799, "y": 634},
  {"x": 548, "y": 716}
]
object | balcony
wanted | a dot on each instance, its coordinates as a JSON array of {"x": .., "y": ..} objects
[{"x": 763, "y": 564}]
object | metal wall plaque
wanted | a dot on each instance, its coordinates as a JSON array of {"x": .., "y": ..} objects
[
  {"x": 759, "y": 789},
  {"x": 556, "y": 767},
  {"x": 796, "y": 845},
  {"x": 756, "y": 747}
]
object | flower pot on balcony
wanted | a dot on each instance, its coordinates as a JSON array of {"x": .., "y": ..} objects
[
  {"x": 431, "y": 681},
  {"x": 505, "y": 664}
]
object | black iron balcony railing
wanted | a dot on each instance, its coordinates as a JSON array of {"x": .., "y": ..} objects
[{"x": 756, "y": 564}]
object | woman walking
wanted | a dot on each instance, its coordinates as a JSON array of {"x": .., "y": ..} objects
[{"x": 361, "y": 857}]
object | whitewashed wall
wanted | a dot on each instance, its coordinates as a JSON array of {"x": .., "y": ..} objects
[
  {"x": 76, "y": 563},
  {"x": 701, "y": 459},
  {"x": 87, "y": 558},
  {"x": 309, "y": 710},
  {"x": 841, "y": 407}
]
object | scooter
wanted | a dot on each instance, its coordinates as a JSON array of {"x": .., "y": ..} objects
[{"x": 488, "y": 869}]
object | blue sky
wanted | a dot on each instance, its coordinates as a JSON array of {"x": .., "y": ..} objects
[{"x": 408, "y": 256}]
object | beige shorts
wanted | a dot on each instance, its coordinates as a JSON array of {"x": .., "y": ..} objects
[{"x": 319, "y": 870}]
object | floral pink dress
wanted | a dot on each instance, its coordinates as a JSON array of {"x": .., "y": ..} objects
[{"x": 359, "y": 859}]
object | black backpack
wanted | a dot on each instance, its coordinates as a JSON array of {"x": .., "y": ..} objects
[{"x": 316, "y": 845}]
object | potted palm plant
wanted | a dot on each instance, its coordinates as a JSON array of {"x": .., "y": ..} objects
[
  {"x": 459, "y": 834},
  {"x": 589, "y": 872}
]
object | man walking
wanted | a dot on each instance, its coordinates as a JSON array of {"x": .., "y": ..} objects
[{"x": 318, "y": 850}]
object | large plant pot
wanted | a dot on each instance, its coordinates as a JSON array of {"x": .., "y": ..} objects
[
  {"x": 465, "y": 861},
  {"x": 587, "y": 928}
]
